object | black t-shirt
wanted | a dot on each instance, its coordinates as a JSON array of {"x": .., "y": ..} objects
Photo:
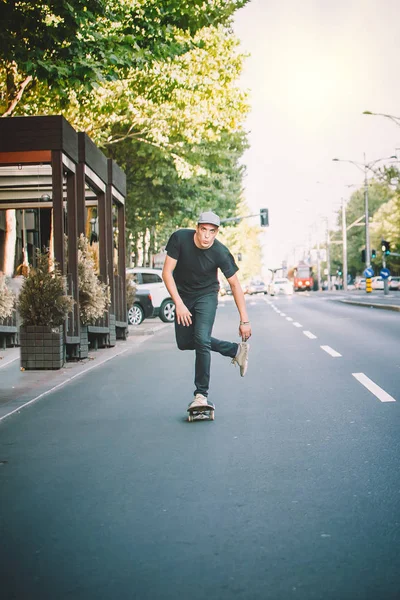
[{"x": 195, "y": 273}]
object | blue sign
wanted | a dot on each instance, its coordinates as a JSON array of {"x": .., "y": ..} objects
[
  {"x": 369, "y": 272},
  {"x": 384, "y": 273}
]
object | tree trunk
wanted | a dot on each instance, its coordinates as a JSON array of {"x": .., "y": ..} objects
[
  {"x": 144, "y": 248},
  {"x": 14, "y": 91}
]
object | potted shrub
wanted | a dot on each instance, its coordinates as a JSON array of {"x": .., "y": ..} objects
[
  {"x": 94, "y": 296},
  {"x": 43, "y": 306}
]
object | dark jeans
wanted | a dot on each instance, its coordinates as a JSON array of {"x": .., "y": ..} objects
[{"x": 197, "y": 337}]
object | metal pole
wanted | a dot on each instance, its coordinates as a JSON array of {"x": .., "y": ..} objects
[
  {"x": 367, "y": 244},
  {"x": 385, "y": 281},
  {"x": 318, "y": 265},
  {"x": 344, "y": 235},
  {"x": 328, "y": 255}
]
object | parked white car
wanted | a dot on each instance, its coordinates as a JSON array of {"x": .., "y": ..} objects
[
  {"x": 151, "y": 279},
  {"x": 280, "y": 285},
  {"x": 377, "y": 283}
]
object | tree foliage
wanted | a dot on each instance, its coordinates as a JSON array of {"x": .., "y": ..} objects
[
  {"x": 80, "y": 44},
  {"x": 154, "y": 83},
  {"x": 384, "y": 223},
  {"x": 243, "y": 241}
]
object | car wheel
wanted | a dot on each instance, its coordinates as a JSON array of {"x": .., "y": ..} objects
[
  {"x": 167, "y": 311},
  {"x": 135, "y": 314}
]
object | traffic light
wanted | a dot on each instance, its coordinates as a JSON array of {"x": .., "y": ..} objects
[
  {"x": 373, "y": 254},
  {"x": 264, "y": 217},
  {"x": 339, "y": 272},
  {"x": 363, "y": 255},
  {"x": 385, "y": 247}
]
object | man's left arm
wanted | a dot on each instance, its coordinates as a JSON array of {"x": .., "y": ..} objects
[{"x": 238, "y": 295}]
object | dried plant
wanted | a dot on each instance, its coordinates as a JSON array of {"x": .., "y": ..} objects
[
  {"x": 7, "y": 299},
  {"x": 130, "y": 289},
  {"x": 94, "y": 296},
  {"x": 43, "y": 299}
]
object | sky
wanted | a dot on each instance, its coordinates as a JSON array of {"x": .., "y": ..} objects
[{"x": 314, "y": 66}]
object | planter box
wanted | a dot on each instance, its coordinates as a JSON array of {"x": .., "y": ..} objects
[{"x": 42, "y": 347}]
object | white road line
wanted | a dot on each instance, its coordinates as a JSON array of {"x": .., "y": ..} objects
[
  {"x": 310, "y": 335},
  {"x": 289, "y": 319},
  {"x": 373, "y": 388},
  {"x": 296, "y": 324},
  {"x": 331, "y": 351},
  {"x": 283, "y": 315},
  {"x": 9, "y": 362}
]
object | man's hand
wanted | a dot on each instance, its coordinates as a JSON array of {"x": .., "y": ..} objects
[
  {"x": 183, "y": 315},
  {"x": 245, "y": 332}
]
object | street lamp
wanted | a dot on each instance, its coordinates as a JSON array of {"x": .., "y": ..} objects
[
  {"x": 365, "y": 167},
  {"x": 395, "y": 120}
]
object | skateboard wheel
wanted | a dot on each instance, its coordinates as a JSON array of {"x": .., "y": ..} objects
[
  {"x": 212, "y": 415},
  {"x": 190, "y": 418}
]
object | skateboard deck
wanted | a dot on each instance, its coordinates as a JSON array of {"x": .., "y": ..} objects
[{"x": 201, "y": 413}]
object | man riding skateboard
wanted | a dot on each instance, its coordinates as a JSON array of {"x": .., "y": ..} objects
[{"x": 190, "y": 274}]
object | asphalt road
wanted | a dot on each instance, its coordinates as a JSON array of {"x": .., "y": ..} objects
[{"x": 292, "y": 492}]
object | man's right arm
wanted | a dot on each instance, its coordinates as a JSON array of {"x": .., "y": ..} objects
[{"x": 183, "y": 315}]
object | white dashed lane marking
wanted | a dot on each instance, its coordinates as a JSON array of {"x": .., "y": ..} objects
[
  {"x": 289, "y": 319},
  {"x": 310, "y": 335},
  {"x": 373, "y": 388},
  {"x": 331, "y": 351},
  {"x": 296, "y": 324}
]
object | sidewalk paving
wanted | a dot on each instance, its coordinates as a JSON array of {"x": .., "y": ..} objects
[{"x": 21, "y": 388}]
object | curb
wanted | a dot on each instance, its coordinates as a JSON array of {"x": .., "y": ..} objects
[
  {"x": 372, "y": 305},
  {"x": 149, "y": 331}
]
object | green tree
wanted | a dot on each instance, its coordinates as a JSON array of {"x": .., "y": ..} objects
[
  {"x": 386, "y": 226},
  {"x": 243, "y": 240},
  {"x": 79, "y": 44},
  {"x": 379, "y": 194}
]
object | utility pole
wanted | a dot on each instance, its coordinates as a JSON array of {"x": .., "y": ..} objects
[
  {"x": 367, "y": 244},
  {"x": 318, "y": 265},
  {"x": 344, "y": 236},
  {"x": 328, "y": 255}
]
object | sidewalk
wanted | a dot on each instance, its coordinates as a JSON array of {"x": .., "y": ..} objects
[
  {"x": 374, "y": 299},
  {"x": 21, "y": 388}
]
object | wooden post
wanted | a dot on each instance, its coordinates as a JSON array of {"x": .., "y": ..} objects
[
  {"x": 73, "y": 246},
  {"x": 58, "y": 208}
]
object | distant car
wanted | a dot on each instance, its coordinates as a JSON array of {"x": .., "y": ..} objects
[
  {"x": 281, "y": 285},
  {"x": 377, "y": 283},
  {"x": 151, "y": 279},
  {"x": 256, "y": 286},
  {"x": 394, "y": 283},
  {"x": 142, "y": 307}
]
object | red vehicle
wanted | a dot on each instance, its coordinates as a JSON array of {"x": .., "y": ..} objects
[{"x": 303, "y": 279}]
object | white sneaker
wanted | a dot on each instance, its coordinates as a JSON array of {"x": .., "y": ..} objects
[
  {"x": 242, "y": 357},
  {"x": 199, "y": 400}
]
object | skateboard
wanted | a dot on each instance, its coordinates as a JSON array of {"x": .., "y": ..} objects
[{"x": 201, "y": 413}]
